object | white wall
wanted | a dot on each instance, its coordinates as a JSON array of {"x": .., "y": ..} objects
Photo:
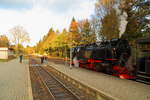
[{"x": 3, "y": 53}]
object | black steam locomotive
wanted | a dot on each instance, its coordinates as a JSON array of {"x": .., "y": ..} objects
[{"x": 107, "y": 56}]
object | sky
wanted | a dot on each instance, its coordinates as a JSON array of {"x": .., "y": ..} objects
[{"x": 38, "y": 16}]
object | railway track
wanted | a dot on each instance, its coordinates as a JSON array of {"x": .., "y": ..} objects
[
  {"x": 57, "y": 90},
  {"x": 39, "y": 91},
  {"x": 63, "y": 88}
]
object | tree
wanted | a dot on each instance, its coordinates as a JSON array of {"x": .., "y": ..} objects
[
  {"x": 20, "y": 48},
  {"x": 102, "y": 7},
  {"x": 74, "y": 35},
  {"x": 85, "y": 30},
  {"x": 73, "y": 26},
  {"x": 51, "y": 35},
  {"x": 45, "y": 43},
  {"x": 106, "y": 19},
  {"x": 38, "y": 48},
  {"x": 110, "y": 25},
  {"x": 29, "y": 50},
  {"x": 4, "y": 42},
  {"x": 59, "y": 45},
  {"x": 19, "y": 35},
  {"x": 138, "y": 12},
  {"x": 95, "y": 27}
]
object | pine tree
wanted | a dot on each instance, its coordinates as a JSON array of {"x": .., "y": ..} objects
[
  {"x": 74, "y": 35},
  {"x": 85, "y": 30}
]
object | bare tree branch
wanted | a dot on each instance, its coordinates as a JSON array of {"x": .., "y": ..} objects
[{"x": 19, "y": 35}]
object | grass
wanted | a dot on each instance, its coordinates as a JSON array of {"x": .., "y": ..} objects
[
  {"x": 9, "y": 58},
  {"x": 3, "y": 60}
]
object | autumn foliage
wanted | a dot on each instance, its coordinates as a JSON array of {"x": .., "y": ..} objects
[{"x": 59, "y": 43}]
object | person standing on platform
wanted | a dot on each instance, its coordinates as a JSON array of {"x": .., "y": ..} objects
[
  {"x": 45, "y": 59},
  {"x": 21, "y": 57},
  {"x": 42, "y": 60},
  {"x": 75, "y": 61}
]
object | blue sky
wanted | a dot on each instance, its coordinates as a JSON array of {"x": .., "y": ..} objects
[
  {"x": 15, "y": 4},
  {"x": 38, "y": 16}
]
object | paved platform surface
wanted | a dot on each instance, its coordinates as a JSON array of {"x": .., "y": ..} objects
[
  {"x": 119, "y": 89},
  {"x": 15, "y": 81}
]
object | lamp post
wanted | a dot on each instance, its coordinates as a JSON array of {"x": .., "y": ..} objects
[
  {"x": 66, "y": 53},
  {"x": 71, "y": 51}
]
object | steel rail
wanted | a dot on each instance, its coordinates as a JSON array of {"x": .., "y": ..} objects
[
  {"x": 59, "y": 82},
  {"x": 51, "y": 95}
]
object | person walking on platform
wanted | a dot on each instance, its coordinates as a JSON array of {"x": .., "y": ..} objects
[
  {"x": 21, "y": 57},
  {"x": 42, "y": 60}
]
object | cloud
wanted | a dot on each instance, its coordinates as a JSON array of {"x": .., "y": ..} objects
[
  {"x": 59, "y": 6},
  {"x": 64, "y": 5},
  {"x": 39, "y": 19}
]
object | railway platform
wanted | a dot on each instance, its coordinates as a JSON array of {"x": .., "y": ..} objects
[
  {"x": 15, "y": 81},
  {"x": 113, "y": 87}
]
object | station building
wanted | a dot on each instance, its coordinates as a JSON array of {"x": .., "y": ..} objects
[
  {"x": 3, "y": 52},
  {"x": 6, "y": 52}
]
